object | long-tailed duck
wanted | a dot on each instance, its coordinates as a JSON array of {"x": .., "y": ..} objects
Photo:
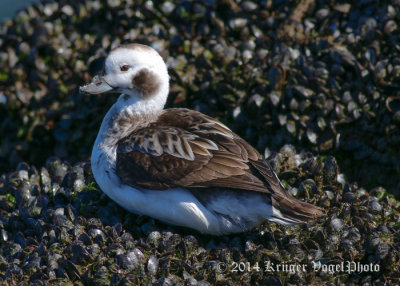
[{"x": 178, "y": 165}]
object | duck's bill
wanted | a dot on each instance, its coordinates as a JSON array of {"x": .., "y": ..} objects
[{"x": 97, "y": 86}]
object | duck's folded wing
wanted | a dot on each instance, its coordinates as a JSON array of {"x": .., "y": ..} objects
[{"x": 185, "y": 148}]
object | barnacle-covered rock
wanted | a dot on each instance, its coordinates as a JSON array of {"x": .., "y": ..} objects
[{"x": 69, "y": 239}]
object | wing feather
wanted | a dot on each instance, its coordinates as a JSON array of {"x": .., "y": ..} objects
[
  {"x": 200, "y": 150},
  {"x": 232, "y": 162},
  {"x": 205, "y": 143}
]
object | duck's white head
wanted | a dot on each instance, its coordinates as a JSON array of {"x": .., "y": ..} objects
[{"x": 135, "y": 70}]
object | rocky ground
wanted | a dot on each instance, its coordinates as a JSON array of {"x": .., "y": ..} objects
[{"x": 323, "y": 76}]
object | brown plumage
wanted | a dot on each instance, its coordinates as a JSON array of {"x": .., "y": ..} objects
[
  {"x": 185, "y": 148},
  {"x": 146, "y": 82}
]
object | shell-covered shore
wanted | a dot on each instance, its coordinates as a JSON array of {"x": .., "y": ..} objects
[
  {"x": 322, "y": 76},
  {"x": 58, "y": 228}
]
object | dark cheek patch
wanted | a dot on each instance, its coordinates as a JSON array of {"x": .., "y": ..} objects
[{"x": 146, "y": 82}]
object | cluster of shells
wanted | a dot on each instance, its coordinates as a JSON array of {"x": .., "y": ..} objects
[
  {"x": 58, "y": 228},
  {"x": 320, "y": 75}
]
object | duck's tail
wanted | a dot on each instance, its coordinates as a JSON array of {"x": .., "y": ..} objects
[
  {"x": 286, "y": 209},
  {"x": 290, "y": 211}
]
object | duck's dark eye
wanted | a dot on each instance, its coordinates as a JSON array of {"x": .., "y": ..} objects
[{"x": 124, "y": 68}]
